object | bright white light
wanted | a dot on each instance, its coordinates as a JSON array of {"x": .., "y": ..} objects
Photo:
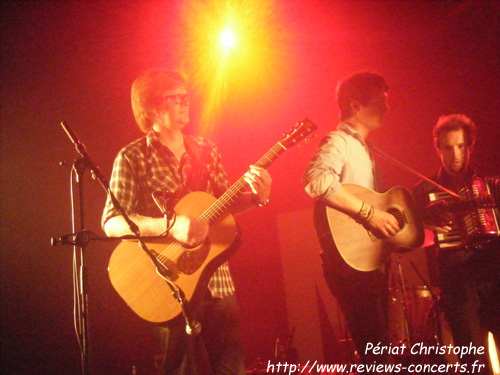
[
  {"x": 493, "y": 354},
  {"x": 227, "y": 38}
]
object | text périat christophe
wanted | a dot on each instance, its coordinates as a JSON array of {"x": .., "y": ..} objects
[{"x": 423, "y": 349}]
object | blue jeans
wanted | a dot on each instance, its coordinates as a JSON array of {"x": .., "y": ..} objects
[{"x": 216, "y": 350}]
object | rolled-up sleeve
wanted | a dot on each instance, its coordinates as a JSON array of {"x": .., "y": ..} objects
[
  {"x": 123, "y": 186},
  {"x": 323, "y": 175}
]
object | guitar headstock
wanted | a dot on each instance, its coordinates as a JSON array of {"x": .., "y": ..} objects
[{"x": 300, "y": 131}]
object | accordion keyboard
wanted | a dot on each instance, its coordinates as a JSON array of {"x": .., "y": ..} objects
[{"x": 475, "y": 215}]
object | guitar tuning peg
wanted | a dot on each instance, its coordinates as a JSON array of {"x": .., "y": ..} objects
[{"x": 309, "y": 139}]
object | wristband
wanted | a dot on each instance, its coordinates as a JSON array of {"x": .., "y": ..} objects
[{"x": 365, "y": 214}]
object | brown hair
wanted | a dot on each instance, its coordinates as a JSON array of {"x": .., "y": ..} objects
[
  {"x": 147, "y": 94},
  {"x": 360, "y": 87},
  {"x": 453, "y": 122}
]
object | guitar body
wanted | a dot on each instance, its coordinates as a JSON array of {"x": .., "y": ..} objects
[
  {"x": 359, "y": 248},
  {"x": 135, "y": 278}
]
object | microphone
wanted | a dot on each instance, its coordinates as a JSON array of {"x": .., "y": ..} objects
[
  {"x": 74, "y": 139},
  {"x": 193, "y": 328},
  {"x": 164, "y": 200}
]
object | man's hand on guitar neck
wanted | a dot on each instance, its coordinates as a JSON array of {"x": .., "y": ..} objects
[{"x": 259, "y": 180}]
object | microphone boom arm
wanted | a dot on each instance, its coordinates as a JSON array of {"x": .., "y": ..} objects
[{"x": 414, "y": 172}]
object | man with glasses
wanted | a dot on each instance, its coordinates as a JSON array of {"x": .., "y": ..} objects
[{"x": 167, "y": 160}]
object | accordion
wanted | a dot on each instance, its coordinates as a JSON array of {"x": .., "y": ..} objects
[{"x": 476, "y": 214}]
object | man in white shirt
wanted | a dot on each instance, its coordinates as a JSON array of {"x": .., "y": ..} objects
[{"x": 344, "y": 157}]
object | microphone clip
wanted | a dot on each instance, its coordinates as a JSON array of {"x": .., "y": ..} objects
[
  {"x": 80, "y": 239},
  {"x": 165, "y": 201}
]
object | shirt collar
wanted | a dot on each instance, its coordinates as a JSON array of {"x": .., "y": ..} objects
[
  {"x": 445, "y": 177},
  {"x": 154, "y": 145},
  {"x": 152, "y": 139},
  {"x": 347, "y": 128}
]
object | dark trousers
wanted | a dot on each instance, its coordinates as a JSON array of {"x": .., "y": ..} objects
[
  {"x": 470, "y": 297},
  {"x": 363, "y": 298},
  {"x": 216, "y": 350}
]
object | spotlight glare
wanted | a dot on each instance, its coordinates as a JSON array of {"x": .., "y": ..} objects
[
  {"x": 227, "y": 38},
  {"x": 230, "y": 48}
]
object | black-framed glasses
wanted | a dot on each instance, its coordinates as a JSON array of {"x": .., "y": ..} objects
[{"x": 179, "y": 98}]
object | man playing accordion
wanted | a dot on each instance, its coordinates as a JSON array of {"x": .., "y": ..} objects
[{"x": 466, "y": 238}]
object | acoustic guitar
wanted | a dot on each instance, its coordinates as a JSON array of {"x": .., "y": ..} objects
[
  {"x": 357, "y": 246},
  {"x": 142, "y": 284}
]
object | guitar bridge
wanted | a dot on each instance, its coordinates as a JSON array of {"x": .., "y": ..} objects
[{"x": 162, "y": 269}]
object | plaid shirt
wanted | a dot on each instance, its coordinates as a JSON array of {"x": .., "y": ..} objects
[{"x": 145, "y": 166}]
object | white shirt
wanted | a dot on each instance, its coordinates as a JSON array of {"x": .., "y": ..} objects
[{"x": 342, "y": 157}]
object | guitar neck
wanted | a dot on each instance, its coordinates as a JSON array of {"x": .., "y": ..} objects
[{"x": 222, "y": 204}]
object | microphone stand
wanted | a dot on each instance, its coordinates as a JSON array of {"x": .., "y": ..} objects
[
  {"x": 80, "y": 239},
  {"x": 414, "y": 172},
  {"x": 436, "y": 306},
  {"x": 404, "y": 305}
]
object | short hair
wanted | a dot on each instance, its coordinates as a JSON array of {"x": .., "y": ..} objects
[
  {"x": 453, "y": 122},
  {"x": 147, "y": 94},
  {"x": 360, "y": 87}
]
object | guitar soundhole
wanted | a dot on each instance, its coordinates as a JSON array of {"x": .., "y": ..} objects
[
  {"x": 191, "y": 260},
  {"x": 400, "y": 216}
]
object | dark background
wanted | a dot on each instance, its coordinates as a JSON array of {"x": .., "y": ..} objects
[{"x": 75, "y": 61}]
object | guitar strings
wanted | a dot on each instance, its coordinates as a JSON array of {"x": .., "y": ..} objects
[
  {"x": 405, "y": 215},
  {"x": 215, "y": 210}
]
